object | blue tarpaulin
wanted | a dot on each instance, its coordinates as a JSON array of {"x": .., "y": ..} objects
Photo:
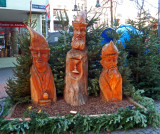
[
  {"x": 123, "y": 29},
  {"x": 125, "y": 32},
  {"x": 105, "y": 35},
  {"x": 2, "y": 3}
]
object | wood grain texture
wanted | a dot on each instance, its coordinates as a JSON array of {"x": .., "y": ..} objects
[
  {"x": 43, "y": 91},
  {"x": 110, "y": 80},
  {"x": 75, "y": 92},
  {"x": 76, "y": 79}
]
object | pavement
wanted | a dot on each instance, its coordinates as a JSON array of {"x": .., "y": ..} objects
[
  {"x": 6, "y": 73},
  {"x": 6, "y": 65},
  {"x": 6, "y": 62}
]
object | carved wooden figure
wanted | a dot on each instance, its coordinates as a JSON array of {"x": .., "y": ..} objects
[
  {"x": 110, "y": 80},
  {"x": 43, "y": 90},
  {"x": 75, "y": 92}
]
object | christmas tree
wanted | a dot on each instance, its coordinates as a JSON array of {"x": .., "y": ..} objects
[
  {"x": 18, "y": 88},
  {"x": 143, "y": 58}
]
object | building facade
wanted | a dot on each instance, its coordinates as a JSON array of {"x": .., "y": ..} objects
[{"x": 13, "y": 15}]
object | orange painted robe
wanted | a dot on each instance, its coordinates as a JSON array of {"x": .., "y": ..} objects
[
  {"x": 40, "y": 84},
  {"x": 111, "y": 85}
]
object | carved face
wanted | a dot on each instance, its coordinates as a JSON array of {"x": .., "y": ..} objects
[
  {"x": 109, "y": 61},
  {"x": 78, "y": 40},
  {"x": 75, "y": 67},
  {"x": 40, "y": 59}
]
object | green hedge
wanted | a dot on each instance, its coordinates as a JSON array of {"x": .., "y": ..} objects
[{"x": 123, "y": 119}]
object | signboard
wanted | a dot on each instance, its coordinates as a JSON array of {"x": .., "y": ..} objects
[
  {"x": 12, "y": 24},
  {"x": 2, "y": 3},
  {"x": 38, "y": 6},
  {"x": 47, "y": 10}
]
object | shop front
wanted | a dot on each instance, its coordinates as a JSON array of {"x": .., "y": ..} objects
[{"x": 9, "y": 31}]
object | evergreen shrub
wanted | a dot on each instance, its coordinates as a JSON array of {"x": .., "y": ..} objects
[
  {"x": 18, "y": 88},
  {"x": 143, "y": 58}
]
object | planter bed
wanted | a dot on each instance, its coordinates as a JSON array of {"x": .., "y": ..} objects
[
  {"x": 94, "y": 106},
  {"x": 89, "y": 119}
]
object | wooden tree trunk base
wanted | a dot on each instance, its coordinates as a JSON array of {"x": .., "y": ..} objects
[{"x": 75, "y": 92}]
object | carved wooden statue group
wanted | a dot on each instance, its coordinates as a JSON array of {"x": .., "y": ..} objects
[{"x": 43, "y": 91}]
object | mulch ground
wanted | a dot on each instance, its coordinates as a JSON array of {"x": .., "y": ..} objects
[{"x": 92, "y": 107}]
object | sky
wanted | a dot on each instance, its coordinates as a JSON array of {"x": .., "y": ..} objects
[{"x": 128, "y": 8}]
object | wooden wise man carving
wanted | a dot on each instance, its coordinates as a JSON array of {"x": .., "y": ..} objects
[
  {"x": 75, "y": 92},
  {"x": 43, "y": 90},
  {"x": 110, "y": 79}
]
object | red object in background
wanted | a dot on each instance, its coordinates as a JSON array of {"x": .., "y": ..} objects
[
  {"x": 47, "y": 9},
  {"x": 12, "y": 24},
  {"x": 1, "y": 32}
]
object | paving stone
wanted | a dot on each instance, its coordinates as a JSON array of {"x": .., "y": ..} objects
[
  {"x": 118, "y": 132},
  {"x": 139, "y": 132},
  {"x": 5, "y": 74},
  {"x": 2, "y": 90},
  {"x": 132, "y": 132},
  {"x": 155, "y": 132}
]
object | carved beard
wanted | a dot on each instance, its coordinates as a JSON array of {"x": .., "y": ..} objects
[
  {"x": 113, "y": 78},
  {"x": 78, "y": 43}
]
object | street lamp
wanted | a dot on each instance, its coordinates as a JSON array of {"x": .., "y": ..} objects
[
  {"x": 97, "y": 4},
  {"x": 75, "y": 7},
  {"x": 30, "y": 12}
]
